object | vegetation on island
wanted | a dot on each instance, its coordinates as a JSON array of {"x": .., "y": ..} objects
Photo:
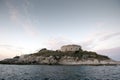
[
  {"x": 79, "y": 54},
  {"x": 45, "y": 56}
]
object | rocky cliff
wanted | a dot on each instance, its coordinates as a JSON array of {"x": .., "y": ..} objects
[{"x": 45, "y": 56}]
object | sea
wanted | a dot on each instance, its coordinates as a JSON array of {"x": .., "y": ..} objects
[{"x": 58, "y": 72}]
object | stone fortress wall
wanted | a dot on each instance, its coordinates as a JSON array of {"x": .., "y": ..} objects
[{"x": 70, "y": 48}]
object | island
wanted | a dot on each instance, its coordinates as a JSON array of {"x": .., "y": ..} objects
[{"x": 67, "y": 55}]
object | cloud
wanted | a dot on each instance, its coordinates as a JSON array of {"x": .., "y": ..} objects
[
  {"x": 16, "y": 16},
  {"x": 110, "y": 35},
  {"x": 113, "y": 53},
  {"x": 11, "y": 47},
  {"x": 29, "y": 28},
  {"x": 95, "y": 41},
  {"x": 27, "y": 25},
  {"x": 8, "y": 51},
  {"x": 98, "y": 40},
  {"x": 56, "y": 43},
  {"x": 13, "y": 11},
  {"x": 88, "y": 44}
]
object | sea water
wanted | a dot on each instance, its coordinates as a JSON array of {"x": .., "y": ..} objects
[{"x": 57, "y": 72}]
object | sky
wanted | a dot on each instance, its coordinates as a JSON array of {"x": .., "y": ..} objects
[{"x": 26, "y": 26}]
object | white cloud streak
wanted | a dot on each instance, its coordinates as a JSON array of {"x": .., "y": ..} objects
[
  {"x": 110, "y": 35},
  {"x": 9, "y": 51},
  {"x": 56, "y": 43},
  {"x": 92, "y": 42},
  {"x": 113, "y": 53},
  {"x": 15, "y": 17}
]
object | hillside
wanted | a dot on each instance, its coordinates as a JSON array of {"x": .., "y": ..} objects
[{"x": 76, "y": 54}]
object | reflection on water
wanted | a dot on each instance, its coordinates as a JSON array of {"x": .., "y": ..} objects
[{"x": 55, "y": 72}]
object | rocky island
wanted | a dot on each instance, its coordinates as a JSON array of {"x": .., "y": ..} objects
[{"x": 67, "y": 55}]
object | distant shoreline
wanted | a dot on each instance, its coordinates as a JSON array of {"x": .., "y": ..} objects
[{"x": 73, "y": 56}]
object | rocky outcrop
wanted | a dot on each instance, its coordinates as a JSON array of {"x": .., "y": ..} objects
[
  {"x": 38, "y": 60},
  {"x": 45, "y": 56},
  {"x": 51, "y": 60}
]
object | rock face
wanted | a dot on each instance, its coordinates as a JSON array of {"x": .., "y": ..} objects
[{"x": 45, "y": 56}]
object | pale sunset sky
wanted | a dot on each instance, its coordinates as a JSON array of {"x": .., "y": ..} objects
[{"x": 26, "y": 26}]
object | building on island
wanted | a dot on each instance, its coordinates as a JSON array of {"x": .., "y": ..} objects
[{"x": 70, "y": 48}]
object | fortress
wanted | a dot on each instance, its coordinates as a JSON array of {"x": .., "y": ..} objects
[{"x": 70, "y": 48}]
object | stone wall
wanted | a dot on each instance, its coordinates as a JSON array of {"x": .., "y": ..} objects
[{"x": 70, "y": 48}]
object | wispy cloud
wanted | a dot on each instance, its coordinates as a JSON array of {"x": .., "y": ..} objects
[
  {"x": 114, "y": 53},
  {"x": 16, "y": 17},
  {"x": 110, "y": 35},
  {"x": 13, "y": 11},
  {"x": 8, "y": 51},
  {"x": 88, "y": 44},
  {"x": 27, "y": 25},
  {"x": 10, "y": 46},
  {"x": 94, "y": 41},
  {"x": 56, "y": 43},
  {"x": 29, "y": 28}
]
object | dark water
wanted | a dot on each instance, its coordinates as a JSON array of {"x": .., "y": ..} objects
[{"x": 47, "y": 72}]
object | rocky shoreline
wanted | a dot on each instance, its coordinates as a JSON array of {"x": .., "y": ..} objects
[{"x": 49, "y": 57}]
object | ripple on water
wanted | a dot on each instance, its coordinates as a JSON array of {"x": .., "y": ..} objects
[{"x": 46, "y": 72}]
